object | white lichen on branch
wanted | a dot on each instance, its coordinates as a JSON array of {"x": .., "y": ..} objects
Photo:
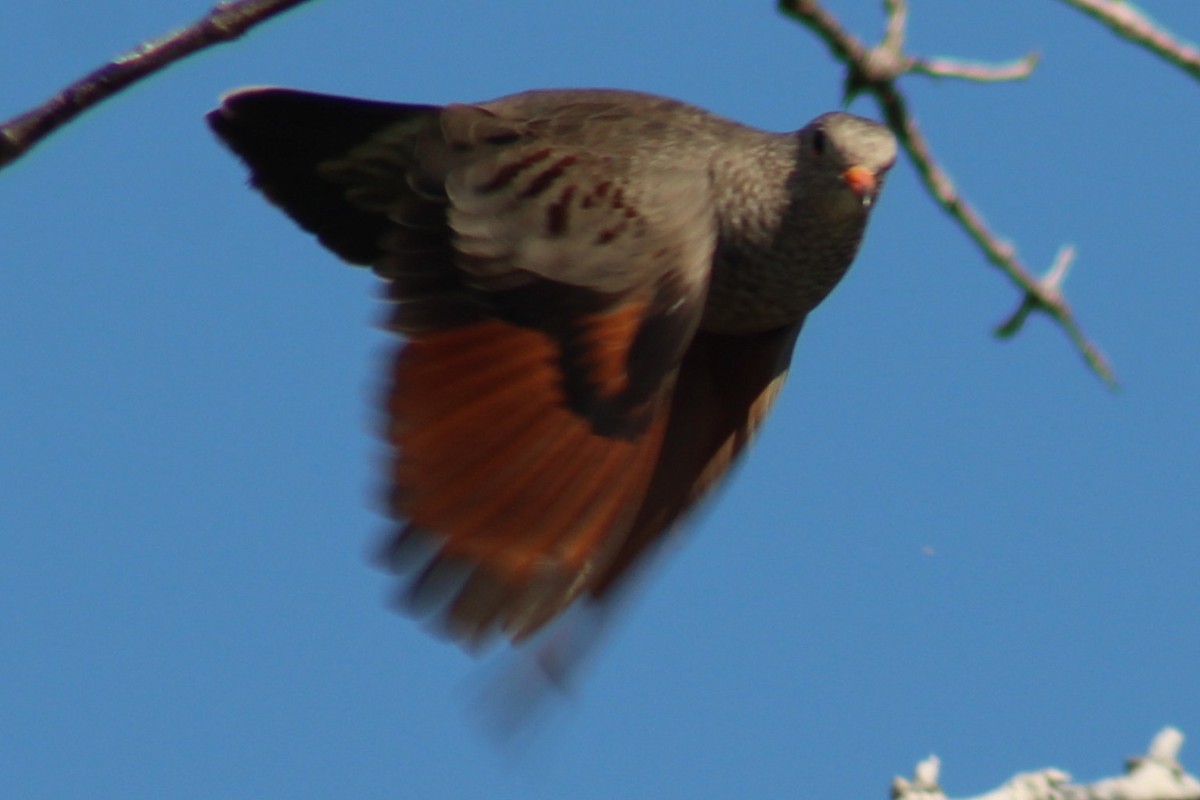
[{"x": 1154, "y": 776}]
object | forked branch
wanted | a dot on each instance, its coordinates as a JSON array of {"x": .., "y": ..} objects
[{"x": 875, "y": 71}]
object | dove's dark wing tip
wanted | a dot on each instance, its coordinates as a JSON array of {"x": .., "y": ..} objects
[
  {"x": 284, "y": 136},
  {"x": 260, "y": 119}
]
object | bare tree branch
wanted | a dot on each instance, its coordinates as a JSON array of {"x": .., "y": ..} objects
[
  {"x": 1131, "y": 23},
  {"x": 224, "y": 22},
  {"x": 875, "y": 70}
]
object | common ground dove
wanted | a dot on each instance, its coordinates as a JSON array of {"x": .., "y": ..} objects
[{"x": 598, "y": 294}]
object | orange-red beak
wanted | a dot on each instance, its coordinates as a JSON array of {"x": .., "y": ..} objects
[{"x": 862, "y": 182}]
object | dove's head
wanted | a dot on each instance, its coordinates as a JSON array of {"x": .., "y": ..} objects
[{"x": 847, "y": 157}]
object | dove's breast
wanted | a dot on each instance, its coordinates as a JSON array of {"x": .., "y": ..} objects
[{"x": 782, "y": 245}]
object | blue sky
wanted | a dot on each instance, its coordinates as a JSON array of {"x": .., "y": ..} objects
[{"x": 941, "y": 543}]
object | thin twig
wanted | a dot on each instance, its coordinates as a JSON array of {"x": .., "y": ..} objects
[
  {"x": 1131, "y": 23},
  {"x": 1050, "y": 285},
  {"x": 875, "y": 71},
  {"x": 897, "y": 25},
  {"x": 1015, "y": 70},
  {"x": 223, "y": 23}
]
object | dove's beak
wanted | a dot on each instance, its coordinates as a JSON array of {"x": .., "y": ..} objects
[{"x": 862, "y": 182}]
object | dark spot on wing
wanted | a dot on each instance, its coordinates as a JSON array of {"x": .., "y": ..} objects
[
  {"x": 556, "y": 214},
  {"x": 552, "y": 173},
  {"x": 508, "y": 173}
]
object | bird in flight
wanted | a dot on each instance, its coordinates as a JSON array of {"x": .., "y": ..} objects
[{"x": 596, "y": 294}]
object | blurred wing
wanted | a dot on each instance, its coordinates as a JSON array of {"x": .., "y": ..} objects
[
  {"x": 726, "y": 385},
  {"x": 547, "y": 297}
]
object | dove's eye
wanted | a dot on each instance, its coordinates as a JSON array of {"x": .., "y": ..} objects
[{"x": 818, "y": 141}]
